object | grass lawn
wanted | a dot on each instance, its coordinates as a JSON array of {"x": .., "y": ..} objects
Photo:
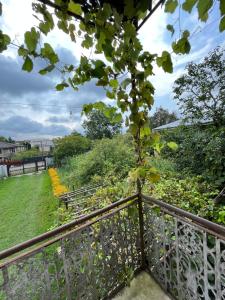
[{"x": 27, "y": 208}]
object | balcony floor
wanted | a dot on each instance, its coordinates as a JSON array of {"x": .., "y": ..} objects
[{"x": 142, "y": 287}]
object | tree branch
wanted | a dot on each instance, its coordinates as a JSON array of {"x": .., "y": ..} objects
[{"x": 69, "y": 13}]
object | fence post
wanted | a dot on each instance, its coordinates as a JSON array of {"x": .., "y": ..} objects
[
  {"x": 23, "y": 169},
  {"x": 36, "y": 166},
  {"x": 8, "y": 172},
  {"x": 141, "y": 226}
]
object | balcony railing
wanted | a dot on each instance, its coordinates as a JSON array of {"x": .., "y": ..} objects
[{"x": 95, "y": 256}]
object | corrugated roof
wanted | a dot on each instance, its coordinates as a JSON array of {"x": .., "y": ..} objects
[
  {"x": 180, "y": 123},
  {"x": 5, "y": 145}
]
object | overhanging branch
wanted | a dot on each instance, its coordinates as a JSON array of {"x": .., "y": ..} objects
[
  {"x": 78, "y": 17},
  {"x": 58, "y": 7}
]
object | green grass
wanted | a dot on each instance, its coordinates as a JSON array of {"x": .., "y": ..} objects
[{"x": 27, "y": 208}]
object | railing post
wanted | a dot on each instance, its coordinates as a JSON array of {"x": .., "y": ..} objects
[{"x": 141, "y": 226}]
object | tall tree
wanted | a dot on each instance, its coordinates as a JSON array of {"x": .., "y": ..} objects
[
  {"x": 98, "y": 126},
  {"x": 201, "y": 92},
  {"x": 161, "y": 117}
]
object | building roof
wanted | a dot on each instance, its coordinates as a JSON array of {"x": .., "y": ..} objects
[
  {"x": 6, "y": 145},
  {"x": 42, "y": 142},
  {"x": 180, "y": 122}
]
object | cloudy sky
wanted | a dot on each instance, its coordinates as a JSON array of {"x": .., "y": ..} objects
[{"x": 29, "y": 105}]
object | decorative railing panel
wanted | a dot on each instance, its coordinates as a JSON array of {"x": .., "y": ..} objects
[
  {"x": 94, "y": 256},
  {"x": 187, "y": 259},
  {"x": 89, "y": 262}
]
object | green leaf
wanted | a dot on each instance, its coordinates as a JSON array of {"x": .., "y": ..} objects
[
  {"x": 107, "y": 10},
  {"x": 172, "y": 145},
  {"x": 4, "y": 41},
  {"x": 117, "y": 118},
  {"x": 22, "y": 51},
  {"x": 110, "y": 95},
  {"x": 145, "y": 131},
  {"x": 188, "y": 5},
  {"x": 129, "y": 9},
  {"x": 171, "y": 6},
  {"x": 222, "y": 7},
  {"x": 170, "y": 28},
  {"x": 203, "y": 8},
  {"x": 165, "y": 62},
  {"x": 48, "y": 52},
  {"x": 47, "y": 69},
  {"x": 99, "y": 105},
  {"x": 181, "y": 46},
  {"x": 28, "y": 65},
  {"x": 222, "y": 24},
  {"x": 63, "y": 25},
  {"x": 114, "y": 83},
  {"x": 87, "y": 42},
  {"x": 87, "y": 108},
  {"x": 75, "y": 8},
  {"x": 31, "y": 39},
  {"x": 61, "y": 86},
  {"x": 44, "y": 27}
]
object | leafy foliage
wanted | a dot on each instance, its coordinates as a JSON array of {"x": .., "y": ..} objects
[
  {"x": 200, "y": 152},
  {"x": 191, "y": 194},
  {"x": 200, "y": 93},
  {"x": 70, "y": 145},
  {"x": 98, "y": 125},
  {"x": 108, "y": 158}
]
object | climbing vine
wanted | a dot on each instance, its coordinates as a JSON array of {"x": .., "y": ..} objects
[{"x": 111, "y": 28}]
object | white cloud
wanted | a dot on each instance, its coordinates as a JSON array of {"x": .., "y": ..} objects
[{"x": 154, "y": 38}]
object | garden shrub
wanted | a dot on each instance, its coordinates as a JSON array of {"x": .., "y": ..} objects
[
  {"x": 201, "y": 152},
  {"x": 109, "y": 158},
  {"x": 192, "y": 194}
]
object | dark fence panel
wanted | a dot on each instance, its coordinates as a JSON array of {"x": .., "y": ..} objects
[{"x": 185, "y": 253}]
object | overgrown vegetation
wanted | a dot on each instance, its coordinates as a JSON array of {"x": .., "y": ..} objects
[
  {"x": 201, "y": 151},
  {"x": 70, "y": 145},
  {"x": 109, "y": 159}
]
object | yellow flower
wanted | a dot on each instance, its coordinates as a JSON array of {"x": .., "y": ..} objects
[{"x": 58, "y": 188}]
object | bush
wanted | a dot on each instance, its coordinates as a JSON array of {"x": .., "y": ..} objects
[
  {"x": 69, "y": 146},
  {"x": 192, "y": 194},
  {"x": 108, "y": 158},
  {"x": 200, "y": 152}
]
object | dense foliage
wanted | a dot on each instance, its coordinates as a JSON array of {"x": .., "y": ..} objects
[
  {"x": 201, "y": 151},
  {"x": 191, "y": 194},
  {"x": 161, "y": 117},
  {"x": 201, "y": 92},
  {"x": 70, "y": 145},
  {"x": 109, "y": 158},
  {"x": 98, "y": 126}
]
